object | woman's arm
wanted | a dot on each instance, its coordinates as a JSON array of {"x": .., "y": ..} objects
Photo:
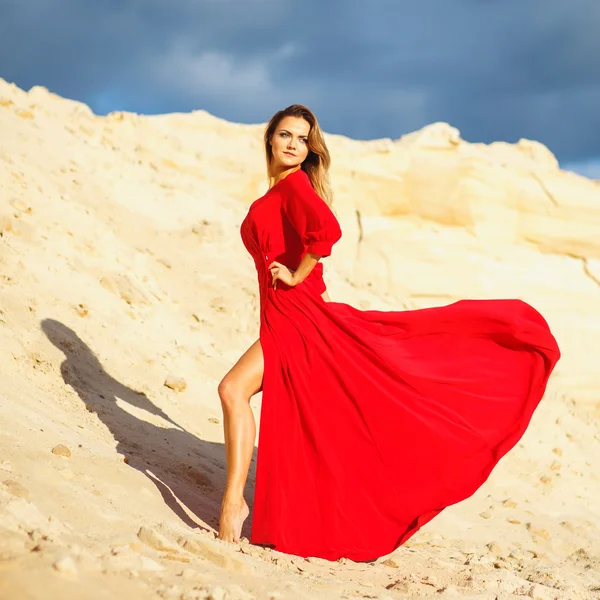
[
  {"x": 293, "y": 278},
  {"x": 309, "y": 215},
  {"x": 307, "y": 264},
  {"x": 313, "y": 221}
]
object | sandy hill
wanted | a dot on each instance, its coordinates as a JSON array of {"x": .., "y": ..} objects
[{"x": 121, "y": 270}]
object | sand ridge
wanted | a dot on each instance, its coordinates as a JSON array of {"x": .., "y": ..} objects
[{"x": 126, "y": 294}]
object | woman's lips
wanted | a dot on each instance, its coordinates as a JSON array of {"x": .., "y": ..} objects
[{"x": 289, "y": 153}]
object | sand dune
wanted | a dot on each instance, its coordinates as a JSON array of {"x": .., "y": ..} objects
[{"x": 126, "y": 294}]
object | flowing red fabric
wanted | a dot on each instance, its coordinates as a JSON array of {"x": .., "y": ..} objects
[{"x": 373, "y": 422}]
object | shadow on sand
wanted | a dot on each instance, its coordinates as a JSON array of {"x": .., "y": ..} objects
[{"x": 185, "y": 469}]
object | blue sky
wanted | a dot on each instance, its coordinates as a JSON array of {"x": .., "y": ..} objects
[{"x": 495, "y": 69}]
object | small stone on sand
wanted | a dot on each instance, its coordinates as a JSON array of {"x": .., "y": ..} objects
[
  {"x": 66, "y": 566},
  {"x": 175, "y": 383},
  {"x": 61, "y": 450},
  {"x": 16, "y": 489}
]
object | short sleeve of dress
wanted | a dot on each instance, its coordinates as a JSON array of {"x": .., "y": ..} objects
[{"x": 309, "y": 214}]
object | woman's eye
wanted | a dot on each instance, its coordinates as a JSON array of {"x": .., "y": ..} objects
[
  {"x": 283, "y": 134},
  {"x": 304, "y": 140}
]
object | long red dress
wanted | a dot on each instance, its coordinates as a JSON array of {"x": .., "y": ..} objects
[{"x": 373, "y": 422}]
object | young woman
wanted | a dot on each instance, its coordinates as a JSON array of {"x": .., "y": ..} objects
[{"x": 372, "y": 422}]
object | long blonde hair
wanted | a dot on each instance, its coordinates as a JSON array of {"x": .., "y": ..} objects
[{"x": 317, "y": 163}]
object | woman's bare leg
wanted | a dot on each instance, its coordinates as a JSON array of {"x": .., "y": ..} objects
[{"x": 238, "y": 386}]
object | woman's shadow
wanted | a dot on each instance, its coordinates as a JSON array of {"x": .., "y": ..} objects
[{"x": 186, "y": 470}]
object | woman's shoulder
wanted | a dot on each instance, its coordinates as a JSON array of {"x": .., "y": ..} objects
[{"x": 297, "y": 180}]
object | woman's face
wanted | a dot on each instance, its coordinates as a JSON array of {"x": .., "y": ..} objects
[{"x": 289, "y": 142}]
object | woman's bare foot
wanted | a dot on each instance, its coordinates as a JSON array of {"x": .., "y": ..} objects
[{"x": 233, "y": 515}]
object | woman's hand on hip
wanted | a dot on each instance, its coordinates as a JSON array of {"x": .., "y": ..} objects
[{"x": 282, "y": 273}]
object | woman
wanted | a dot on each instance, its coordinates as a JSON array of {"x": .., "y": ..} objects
[{"x": 372, "y": 422}]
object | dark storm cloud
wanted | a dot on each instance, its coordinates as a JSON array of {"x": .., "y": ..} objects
[{"x": 497, "y": 70}]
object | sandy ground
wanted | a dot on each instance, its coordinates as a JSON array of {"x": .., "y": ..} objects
[{"x": 126, "y": 294}]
